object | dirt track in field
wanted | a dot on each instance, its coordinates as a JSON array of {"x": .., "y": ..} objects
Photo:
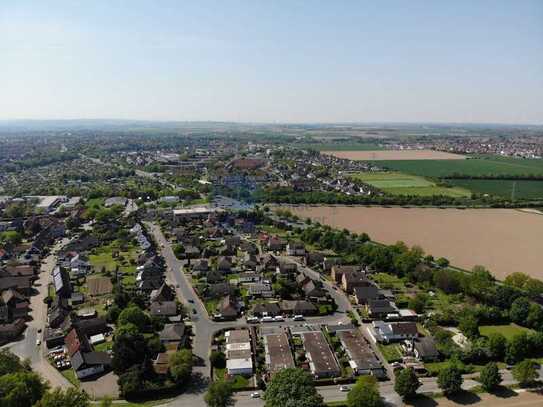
[
  {"x": 503, "y": 240},
  {"x": 395, "y": 155}
]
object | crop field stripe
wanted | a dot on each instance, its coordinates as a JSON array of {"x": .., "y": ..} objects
[{"x": 524, "y": 189}]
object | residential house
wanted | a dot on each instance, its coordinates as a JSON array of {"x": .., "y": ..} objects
[
  {"x": 380, "y": 309},
  {"x": 239, "y": 359},
  {"x": 313, "y": 259},
  {"x": 337, "y": 271},
  {"x": 173, "y": 334},
  {"x": 163, "y": 309},
  {"x": 366, "y": 293},
  {"x": 164, "y": 293},
  {"x": 224, "y": 265},
  {"x": 228, "y": 308},
  {"x": 287, "y": 268},
  {"x": 263, "y": 290},
  {"x": 295, "y": 249},
  {"x": 275, "y": 244},
  {"x": 87, "y": 364},
  {"x": 423, "y": 348},
  {"x": 351, "y": 280},
  {"x": 362, "y": 359},
  {"x": 393, "y": 331},
  {"x": 298, "y": 307},
  {"x": 322, "y": 361},
  {"x": 266, "y": 309},
  {"x": 269, "y": 262},
  {"x": 61, "y": 282},
  {"x": 11, "y": 331}
]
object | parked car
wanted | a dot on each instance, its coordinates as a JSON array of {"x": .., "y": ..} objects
[
  {"x": 252, "y": 320},
  {"x": 298, "y": 318},
  {"x": 267, "y": 319},
  {"x": 279, "y": 318},
  {"x": 255, "y": 395}
]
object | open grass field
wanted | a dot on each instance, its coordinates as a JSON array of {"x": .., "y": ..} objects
[
  {"x": 503, "y": 240},
  {"x": 398, "y": 183},
  {"x": 504, "y": 188},
  {"x": 104, "y": 258},
  {"x": 378, "y": 155},
  {"x": 487, "y": 166},
  {"x": 506, "y": 330},
  {"x": 391, "y": 352}
]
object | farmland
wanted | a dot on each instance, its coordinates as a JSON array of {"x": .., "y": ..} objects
[
  {"x": 341, "y": 146},
  {"x": 521, "y": 189},
  {"x": 392, "y": 155},
  {"x": 504, "y": 240},
  {"x": 476, "y": 167},
  {"x": 397, "y": 183}
]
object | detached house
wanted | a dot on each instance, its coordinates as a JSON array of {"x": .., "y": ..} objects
[
  {"x": 295, "y": 249},
  {"x": 351, "y": 280},
  {"x": 393, "y": 331},
  {"x": 275, "y": 244}
]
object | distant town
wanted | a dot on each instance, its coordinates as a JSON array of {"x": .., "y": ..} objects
[{"x": 179, "y": 266}]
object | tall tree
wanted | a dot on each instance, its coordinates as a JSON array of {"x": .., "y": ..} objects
[
  {"x": 181, "y": 366},
  {"x": 490, "y": 377},
  {"x": 219, "y": 394},
  {"x": 525, "y": 372},
  {"x": 70, "y": 398},
  {"x": 449, "y": 380},
  {"x": 292, "y": 388},
  {"x": 407, "y": 383},
  {"x": 21, "y": 389},
  {"x": 365, "y": 393}
]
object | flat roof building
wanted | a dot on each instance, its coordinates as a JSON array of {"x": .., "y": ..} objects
[
  {"x": 278, "y": 352},
  {"x": 361, "y": 357},
  {"x": 322, "y": 361}
]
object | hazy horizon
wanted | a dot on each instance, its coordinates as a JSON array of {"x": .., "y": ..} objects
[{"x": 273, "y": 63}]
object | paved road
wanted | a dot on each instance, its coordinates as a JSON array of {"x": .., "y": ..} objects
[{"x": 26, "y": 347}]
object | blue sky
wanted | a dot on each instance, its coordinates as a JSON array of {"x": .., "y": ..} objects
[{"x": 273, "y": 61}]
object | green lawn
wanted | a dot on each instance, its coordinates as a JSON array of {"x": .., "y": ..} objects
[
  {"x": 506, "y": 330},
  {"x": 397, "y": 183},
  {"x": 103, "y": 258},
  {"x": 69, "y": 374},
  {"x": 211, "y": 306},
  {"x": 388, "y": 281},
  {"x": 103, "y": 347},
  {"x": 504, "y": 188},
  {"x": 391, "y": 352}
]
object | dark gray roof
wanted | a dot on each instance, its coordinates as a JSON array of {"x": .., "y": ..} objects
[{"x": 172, "y": 332}]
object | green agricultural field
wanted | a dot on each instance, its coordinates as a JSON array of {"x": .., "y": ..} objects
[
  {"x": 397, "y": 183},
  {"x": 484, "y": 166},
  {"x": 522, "y": 189},
  {"x": 340, "y": 146}
]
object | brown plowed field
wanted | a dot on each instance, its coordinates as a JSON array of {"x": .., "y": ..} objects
[
  {"x": 395, "y": 155},
  {"x": 503, "y": 240}
]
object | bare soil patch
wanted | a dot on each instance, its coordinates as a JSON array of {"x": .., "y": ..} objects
[
  {"x": 376, "y": 155},
  {"x": 503, "y": 240},
  {"x": 99, "y": 286}
]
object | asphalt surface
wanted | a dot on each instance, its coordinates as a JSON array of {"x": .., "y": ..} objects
[{"x": 27, "y": 347}]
